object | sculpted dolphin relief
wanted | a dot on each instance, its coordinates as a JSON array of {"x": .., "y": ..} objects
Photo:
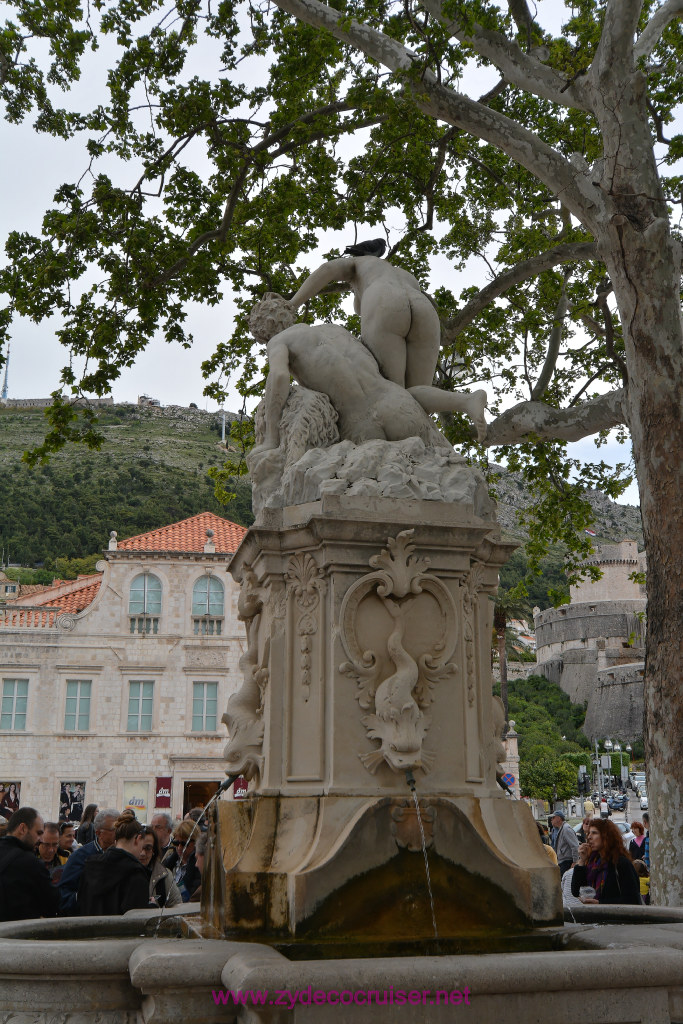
[
  {"x": 398, "y": 721},
  {"x": 398, "y": 702}
]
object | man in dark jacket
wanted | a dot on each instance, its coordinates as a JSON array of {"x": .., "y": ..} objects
[
  {"x": 25, "y": 889},
  {"x": 73, "y": 869}
]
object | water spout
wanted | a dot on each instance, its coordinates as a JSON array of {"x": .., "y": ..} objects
[{"x": 410, "y": 779}]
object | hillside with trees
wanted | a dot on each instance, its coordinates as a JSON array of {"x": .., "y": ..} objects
[{"x": 152, "y": 469}]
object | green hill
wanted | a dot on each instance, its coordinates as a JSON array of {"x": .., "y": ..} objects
[
  {"x": 150, "y": 471},
  {"x": 153, "y": 469}
]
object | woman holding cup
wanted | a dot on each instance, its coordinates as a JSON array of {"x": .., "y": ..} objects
[{"x": 604, "y": 874}]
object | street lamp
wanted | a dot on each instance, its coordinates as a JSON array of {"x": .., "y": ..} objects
[
  {"x": 608, "y": 745},
  {"x": 629, "y": 748},
  {"x": 617, "y": 746}
]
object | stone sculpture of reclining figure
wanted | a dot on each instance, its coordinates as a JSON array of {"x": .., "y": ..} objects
[{"x": 328, "y": 359}]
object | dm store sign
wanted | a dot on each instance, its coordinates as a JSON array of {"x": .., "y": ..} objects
[
  {"x": 163, "y": 792},
  {"x": 135, "y": 796}
]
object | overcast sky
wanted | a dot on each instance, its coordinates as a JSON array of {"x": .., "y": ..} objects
[{"x": 33, "y": 166}]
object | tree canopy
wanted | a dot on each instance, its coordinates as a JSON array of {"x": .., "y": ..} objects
[{"x": 228, "y": 138}]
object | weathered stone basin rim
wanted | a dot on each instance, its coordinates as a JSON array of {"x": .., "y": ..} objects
[{"x": 608, "y": 972}]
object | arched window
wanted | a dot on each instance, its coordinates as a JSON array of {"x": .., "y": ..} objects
[
  {"x": 144, "y": 606},
  {"x": 207, "y": 606}
]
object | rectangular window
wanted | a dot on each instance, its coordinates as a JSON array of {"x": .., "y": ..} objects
[
  {"x": 204, "y": 701},
  {"x": 140, "y": 701},
  {"x": 14, "y": 700},
  {"x": 77, "y": 715}
]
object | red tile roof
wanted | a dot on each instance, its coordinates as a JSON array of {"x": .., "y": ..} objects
[
  {"x": 189, "y": 535},
  {"x": 43, "y": 609},
  {"x": 44, "y": 618},
  {"x": 67, "y": 595},
  {"x": 77, "y": 600}
]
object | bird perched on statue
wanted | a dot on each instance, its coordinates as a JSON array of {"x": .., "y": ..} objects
[{"x": 375, "y": 247}]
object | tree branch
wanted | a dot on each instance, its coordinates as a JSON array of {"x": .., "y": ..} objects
[
  {"x": 520, "y": 69},
  {"x": 652, "y": 32},
  {"x": 557, "y": 424},
  {"x": 601, "y": 303},
  {"x": 519, "y": 9},
  {"x": 567, "y": 253},
  {"x": 554, "y": 341},
  {"x": 221, "y": 232},
  {"x": 613, "y": 59},
  {"x": 520, "y": 144}
]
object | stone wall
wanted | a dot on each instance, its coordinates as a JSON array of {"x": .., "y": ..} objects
[
  {"x": 585, "y": 645},
  {"x": 618, "y": 698}
]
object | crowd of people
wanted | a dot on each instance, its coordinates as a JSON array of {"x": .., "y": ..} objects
[
  {"x": 595, "y": 866},
  {"x": 112, "y": 863},
  {"x": 109, "y": 864}
]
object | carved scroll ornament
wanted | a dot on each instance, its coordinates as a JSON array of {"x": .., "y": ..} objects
[{"x": 410, "y": 618}]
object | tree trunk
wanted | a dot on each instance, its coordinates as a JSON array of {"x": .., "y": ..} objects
[{"x": 644, "y": 266}]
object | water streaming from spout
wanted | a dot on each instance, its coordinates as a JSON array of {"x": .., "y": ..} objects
[
  {"x": 410, "y": 779},
  {"x": 223, "y": 788}
]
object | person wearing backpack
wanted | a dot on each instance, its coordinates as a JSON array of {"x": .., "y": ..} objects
[{"x": 25, "y": 888}]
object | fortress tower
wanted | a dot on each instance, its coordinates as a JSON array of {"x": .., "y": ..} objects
[{"x": 595, "y": 646}]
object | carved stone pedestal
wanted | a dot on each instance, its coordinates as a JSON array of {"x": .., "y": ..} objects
[{"x": 368, "y": 656}]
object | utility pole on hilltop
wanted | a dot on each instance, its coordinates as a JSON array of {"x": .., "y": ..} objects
[{"x": 3, "y": 396}]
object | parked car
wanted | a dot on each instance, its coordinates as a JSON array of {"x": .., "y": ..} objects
[
  {"x": 626, "y": 834},
  {"x": 643, "y": 800},
  {"x": 618, "y": 802}
]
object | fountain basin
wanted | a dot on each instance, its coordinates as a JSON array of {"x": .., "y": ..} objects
[{"x": 602, "y": 972}]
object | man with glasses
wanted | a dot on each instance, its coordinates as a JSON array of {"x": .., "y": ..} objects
[
  {"x": 162, "y": 824},
  {"x": 104, "y": 838},
  {"x": 47, "y": 850}
]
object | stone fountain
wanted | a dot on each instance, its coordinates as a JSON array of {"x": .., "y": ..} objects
[{"x": 365, "y": 590}]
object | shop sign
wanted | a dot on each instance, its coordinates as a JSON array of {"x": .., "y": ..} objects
[
  {"x": 135, "y": 796},
  {"x": 239, "y": 788},
  {"x": 163, "y": 791}
]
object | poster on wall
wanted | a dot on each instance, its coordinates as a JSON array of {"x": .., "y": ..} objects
[
  {"x": 71, "y": 801},
  {"x": 135, "y": 796},
  {"x": 10, "y": 799},
  {"x": 163, "y": 791}
]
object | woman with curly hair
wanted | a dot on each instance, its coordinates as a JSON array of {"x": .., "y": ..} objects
[{"x": 603, "y": 864}]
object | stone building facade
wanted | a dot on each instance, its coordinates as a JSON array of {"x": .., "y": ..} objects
[
  {"x": 595, "y": 646},
  {"x": 118, "y": 680}
]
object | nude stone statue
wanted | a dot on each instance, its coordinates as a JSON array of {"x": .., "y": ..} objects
[
  {"x": 398, "y": 322},
  {"x": 399, "y": 325},
  {"x": 328, "y": 359}
]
